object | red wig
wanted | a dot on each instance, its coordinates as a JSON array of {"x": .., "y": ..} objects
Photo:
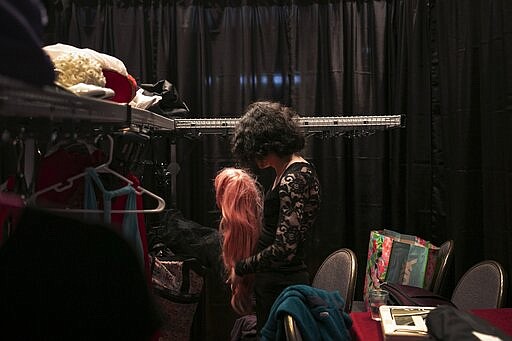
[{"x": 240, "y": 200}]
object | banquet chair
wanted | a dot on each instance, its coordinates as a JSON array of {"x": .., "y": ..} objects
[
  {"x": 481, "y": 287},
  {"x": 444, "y": 258},
  {"x": 338, "y": 272},
  {"x": 291, "y": 329},
  {"x": 304, "y": 312}
]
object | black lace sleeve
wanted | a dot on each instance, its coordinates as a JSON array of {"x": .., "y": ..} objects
[{"x": 299, "y": 196}]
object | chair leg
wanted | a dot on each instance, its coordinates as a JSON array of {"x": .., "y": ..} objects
[{"x": 358, "y": 306}]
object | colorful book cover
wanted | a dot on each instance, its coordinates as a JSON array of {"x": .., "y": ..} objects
[
  {"x": 397, "y": 260},
  {"x": 414, "y": 269}
]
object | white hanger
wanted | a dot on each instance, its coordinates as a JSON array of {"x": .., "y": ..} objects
[
  {"x": 3, "y": 187},
  {"x": 103, "y": 168}
]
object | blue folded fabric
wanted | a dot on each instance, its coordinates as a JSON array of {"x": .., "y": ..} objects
[{"x": 319, "y": 314}]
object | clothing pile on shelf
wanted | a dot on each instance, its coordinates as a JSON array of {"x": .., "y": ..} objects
[{"x": 90, "y": 73}]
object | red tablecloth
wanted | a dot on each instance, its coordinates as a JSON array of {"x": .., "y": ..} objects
[
  {"x": 501, "y": 318},
  {"x": 364, "y": 328}
]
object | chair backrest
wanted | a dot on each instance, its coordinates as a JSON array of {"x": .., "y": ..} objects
[
  {"x": 338, "y": 272},
  {"x": 291, "y": 329},
  {"x": 481, "y": 287},
  {"x": 444, "y": 258}
]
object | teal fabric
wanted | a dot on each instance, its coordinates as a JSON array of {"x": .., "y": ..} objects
[
  {"x": 130, "y": 226},
  {"x": 107, "y": 195},
  {"x": 319, "y": 314},
  {"x": 90, "y": 202}
]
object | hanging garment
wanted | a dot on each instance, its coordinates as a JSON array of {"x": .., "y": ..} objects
[
  {"x": 11, "y": 206},
  {"x": 51, "y": 172},
  {"x": 130, "y": 227},
  {"x": 142, "y": 228},
  {"x": 120, "y": 203}
]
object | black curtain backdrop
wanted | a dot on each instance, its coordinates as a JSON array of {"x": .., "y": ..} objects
[{"x": 446, "y": 65}]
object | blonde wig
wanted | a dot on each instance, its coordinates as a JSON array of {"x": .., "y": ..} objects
[
  {"x": 74, "y": 68},
  {"x": 240, "y": 199}
]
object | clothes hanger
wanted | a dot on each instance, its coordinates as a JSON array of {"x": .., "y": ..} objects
[
  {"x": 103, "y": 168},
  {"x": 68, "y": 143},
  {"x": 3, "y": 186}
]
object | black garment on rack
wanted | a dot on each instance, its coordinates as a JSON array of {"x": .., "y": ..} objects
[
  {"x": 64, "y": 279},
  {"x": 171, "y": 104}
]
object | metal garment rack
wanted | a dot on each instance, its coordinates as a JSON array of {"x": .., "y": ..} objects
[
  {"x": 24, "y": 104},
  {"x": 314, "y": 124},
  {"x": 327, "y": 126},
  {"x": 30, "y": 109},
  {"x": 29, "y": 113}
]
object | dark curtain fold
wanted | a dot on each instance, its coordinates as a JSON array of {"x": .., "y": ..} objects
[
  {"x": 444, "y": 64},
  {"x": 474, "y": 168}
]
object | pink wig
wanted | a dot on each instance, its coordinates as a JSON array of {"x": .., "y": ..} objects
[{"x": 239, "y": 198}]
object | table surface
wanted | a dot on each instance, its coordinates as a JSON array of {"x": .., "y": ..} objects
[{"x": 364, "y": 328}]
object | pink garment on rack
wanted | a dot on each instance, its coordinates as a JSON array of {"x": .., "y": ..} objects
[
  {"x": 11, "y": 206},
  {"x": 58, "y": 167}
]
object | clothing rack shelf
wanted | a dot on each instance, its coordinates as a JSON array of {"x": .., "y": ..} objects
[
  {"x": 34, "y": 110},
  {"x": 21, "y": 103},
  {"x": 308, "y": 124}
]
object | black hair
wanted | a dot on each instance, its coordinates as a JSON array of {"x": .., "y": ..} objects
[{"x": 266, "y": 127}]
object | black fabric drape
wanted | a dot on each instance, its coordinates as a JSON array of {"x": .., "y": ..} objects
[
  {"x": 472, "y": 130},
  {"x": 444, "y": 64}
]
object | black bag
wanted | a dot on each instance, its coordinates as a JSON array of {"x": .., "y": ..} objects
[
  {"x": 187, "y": 238},
  {"x": 450, "y": 324},
  {"x": 401, "y": 294},
  {"x": 176, "y": 278},
  {"x": 178, "y": 283}
]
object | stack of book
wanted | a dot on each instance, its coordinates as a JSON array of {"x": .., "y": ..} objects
[{"x": 404, "y": 322}]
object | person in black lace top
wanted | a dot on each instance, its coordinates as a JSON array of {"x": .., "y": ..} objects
[{"x": 268, "y": 135}]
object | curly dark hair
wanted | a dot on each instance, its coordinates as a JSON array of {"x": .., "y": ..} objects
[{"x": 264, "y": 128}]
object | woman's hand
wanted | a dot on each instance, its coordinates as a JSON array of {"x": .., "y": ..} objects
[{"x": 233, "y": 278}]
